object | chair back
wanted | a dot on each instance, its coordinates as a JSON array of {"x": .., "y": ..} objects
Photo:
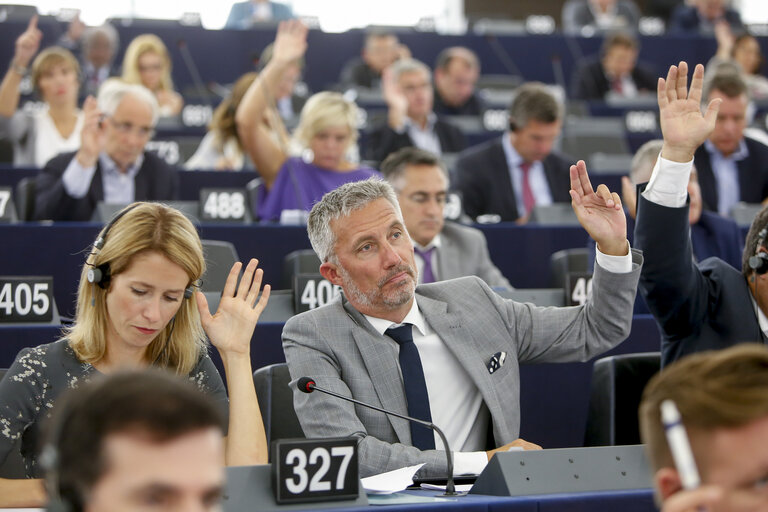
[
  {"x": 219, "y": 258},
  {"x": 276, "y": 402}
]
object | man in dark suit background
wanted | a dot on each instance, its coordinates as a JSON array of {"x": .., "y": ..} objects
[
  {"x": 456, "y": 72},
  {"x": 379, "y": 51},
  {"x": 443, "y": 250},
  {"x": 732, "y": 167},
  {"x": 701, "y": 16},
  {"x": 616, "y": 71},
  {"x": 111, "y": 164},
  {"x": 410, "y": 120},
  {"x": 508, "y": 176},
  {"x": 702, "y": 306}
]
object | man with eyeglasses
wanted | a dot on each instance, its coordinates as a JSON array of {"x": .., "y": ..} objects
[
  {"x": 442, "y": 250},
  {"x": 111, "y": 164}
]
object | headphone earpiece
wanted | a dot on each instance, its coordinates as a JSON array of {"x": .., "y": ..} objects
[
  {"x": 512, "y": 124},
  {"x": 189, "y": 292},
  {"x": 100, "y": 275},
  {"x": 758, "y": 262}
]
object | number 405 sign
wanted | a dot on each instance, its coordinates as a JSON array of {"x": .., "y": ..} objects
[
  {"x": 305, "y": 470},
  {"x": 26, "y": 299}
]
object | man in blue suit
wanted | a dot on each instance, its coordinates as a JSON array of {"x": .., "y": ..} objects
[
  {"x": 244, "y": 15},
  {"x": 702, "y": 306}
]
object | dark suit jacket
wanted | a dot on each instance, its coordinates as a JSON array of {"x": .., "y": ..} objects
[
  {"x": 383, "y": 140},
  {"x": 472, "y": 107},
  {"x": 356, "y": 72},
  {"x": 698, "y": 307},
  {"x": 486, "y": 186},
  {"x": 591, "y": 83},
  {"x": 155, "y": 181},
  {"x": 685, "y": 19},
  {"x": 753, "y": 175}
]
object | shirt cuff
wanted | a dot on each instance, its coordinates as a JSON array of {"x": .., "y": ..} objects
[
  {"x": 469, "y": 463},
  {"x": 77, "y": 179},
  {"x": 615, "y": 264},
  {"x": 670, "y": 186}
]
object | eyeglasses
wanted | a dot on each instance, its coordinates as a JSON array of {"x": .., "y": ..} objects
[{"x": 126, "y": 127}]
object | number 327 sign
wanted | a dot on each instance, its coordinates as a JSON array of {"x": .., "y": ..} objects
[{"x": 306, "y": 470}]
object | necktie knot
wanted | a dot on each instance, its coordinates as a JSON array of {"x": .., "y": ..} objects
[
  {"x": 427, "y": 274},
  {"x": 402, "y": 334}
]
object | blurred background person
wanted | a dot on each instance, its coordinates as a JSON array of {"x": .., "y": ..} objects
[
  {"x": 442, "y": 250},
  {"x": 97, "y": 47},
  {"x": 244, "y": 15},
  {"x": 380, "y": 50},
  {"x": 507, "y": 176},
  {"x": 615, "y": 74},
  {"x": 411, "y": 120},
  {"x": 221, "y": 148},
  {"x": 456, "y": 72},
  {"x": 290, "y": 94},
  {"x": 701, "y": 17},
  {"x": 325, "y": 137},
  {"x": 585, "y": 17},
  {"x": 741, "y": 54},
  {"x": 147, "y": 62},
  {"x": 39, "y": 136}
]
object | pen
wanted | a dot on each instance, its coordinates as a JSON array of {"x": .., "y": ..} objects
[{"x": 679, "y": 445}]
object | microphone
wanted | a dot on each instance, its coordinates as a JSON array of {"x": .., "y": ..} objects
[
  {"x": 193, "y": 71},
  {"x": 308, "y": 385}
]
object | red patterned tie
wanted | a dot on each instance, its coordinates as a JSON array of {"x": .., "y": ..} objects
[{"x": 528, "y": 200}]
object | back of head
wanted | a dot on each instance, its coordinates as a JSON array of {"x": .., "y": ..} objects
[
  {"x": 533, "y": 101},
  {"x": 728, "y": 81},
  {"x": 113, "y": 90},
  {"x": 713, "y": 390},
  {"x": 154, "y": 405},
  {"x": 340, "y": 203},
  {"x": 146, "y": 43},
  {"x": 223, "y": 120},
  {"x": 644, "y": 160},
  {"x": 145, "y": 227},
  {"x": 325, "y": 110},
  {"x": 393, "y": 167}
]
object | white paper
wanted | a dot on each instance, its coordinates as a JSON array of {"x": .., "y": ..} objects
[
  {"x": 391, "y": 481},
  {"x": 458, "y": 487}
]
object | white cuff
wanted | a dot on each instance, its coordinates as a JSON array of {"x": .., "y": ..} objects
[
  {"x": 669, "y": 183},
  {"x": 77, "y": 179},
  {"x": 469, "y": 463},
  {"x": 615, "y": 264}
]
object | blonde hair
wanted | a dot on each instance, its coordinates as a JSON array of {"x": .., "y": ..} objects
[
  {"x": 146, "y": 227},
  {"x": 146, "y": 43},
  {"x": 52, "y": 56},
  {"x": 325, "y": 110}
]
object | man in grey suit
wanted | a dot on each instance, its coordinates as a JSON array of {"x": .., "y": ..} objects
[
  {"x": 442, "y": 250},
  {"x": 469, "y": 339}
]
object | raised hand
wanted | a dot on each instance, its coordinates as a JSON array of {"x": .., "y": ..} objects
[
  {"x": 92, "y": 136},
  {"x": 290, "y": 42},
  {"x": 27, "y": 44},
  {"x": 231, "y": 328},
  {"x": 396, "y": 100},
  {"x": 599, "y": 212},
  {"x": 682, "y": 124}
]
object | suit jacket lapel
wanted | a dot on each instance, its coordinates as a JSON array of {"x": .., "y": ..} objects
[
  {"x": 381, "y": 361},
  {"x": 96, "y": 192},
  {"x": 499, "y": 161},
  {"x": 453, "y": 329},
  {"x": 141, "y": 183}
]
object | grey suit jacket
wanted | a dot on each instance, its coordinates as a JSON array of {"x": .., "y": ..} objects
[
  {"x": 338, "y": 347},
  {"x": 464, "y": 252}
]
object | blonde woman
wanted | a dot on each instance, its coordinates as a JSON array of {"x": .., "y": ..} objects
[
  {"x": 39, "y": 136},
  {"x": 147, "y": 62},
  {"x": 221, "y": 148},
  {"x": 137, "y": 307},
  {"x": 325, "y": 137}
]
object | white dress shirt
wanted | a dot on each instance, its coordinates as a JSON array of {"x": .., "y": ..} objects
[
  {"x": 426, "y": 138},
  {"x": 726, "y": 172},
  {"x": 536, "y": 177},
  {"x": 119, "y": 187}
]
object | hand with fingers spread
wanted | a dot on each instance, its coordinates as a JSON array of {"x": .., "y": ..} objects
[
  {"x": 92, "y": 136},
  {"x": 231, "y": 328},
  {"x": 27, "y": 44},
  {"x": 599, "y": 212},
  {"x": 682, "y": 124}
]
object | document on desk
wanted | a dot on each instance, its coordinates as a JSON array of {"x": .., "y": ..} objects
[{"x": 391, "y": 481}]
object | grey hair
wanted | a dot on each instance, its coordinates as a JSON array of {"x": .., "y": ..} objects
[
  {"x": 533, "y": 100},
  {"x": 644, "y": 160},
  {"x": 108, "y": 31},
  {"x": 393, "y": 167},
  {"x": 341, "y": 202},
  {"x": 112, "y": 92},
  {"x": 409, "y": 66}
]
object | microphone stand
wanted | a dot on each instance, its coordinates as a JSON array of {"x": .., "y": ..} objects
[{"x": 450, "y": 488}]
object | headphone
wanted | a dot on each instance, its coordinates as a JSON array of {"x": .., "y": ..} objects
[
  {"x": 759, "y": 261},
  {"x": 101, "y": 274}
]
